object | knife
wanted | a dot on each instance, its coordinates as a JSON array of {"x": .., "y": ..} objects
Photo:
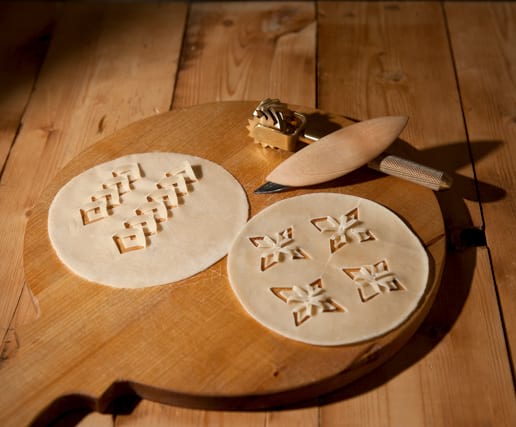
[{"x": 347, "y": 149}]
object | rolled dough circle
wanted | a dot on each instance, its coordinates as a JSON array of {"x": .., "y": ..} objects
[
  {"x": 328, "y": 269},
  {"x": 186, "y": 238}
]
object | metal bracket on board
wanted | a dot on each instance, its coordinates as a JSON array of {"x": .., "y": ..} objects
[{"x": 470, "y": 237}]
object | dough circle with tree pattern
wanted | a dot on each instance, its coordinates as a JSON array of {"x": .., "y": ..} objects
[
  {"x": 146, "y": 219},
  {"x": 328, "y": 269}
]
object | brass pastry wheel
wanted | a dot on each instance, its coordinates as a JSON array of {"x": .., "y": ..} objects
[{"x": 191, "y": 343}]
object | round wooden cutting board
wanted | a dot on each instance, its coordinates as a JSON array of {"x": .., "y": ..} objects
[{"x": 190, "y": 343}]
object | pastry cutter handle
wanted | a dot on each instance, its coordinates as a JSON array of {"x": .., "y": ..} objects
[{"x": 411, "y": 171}]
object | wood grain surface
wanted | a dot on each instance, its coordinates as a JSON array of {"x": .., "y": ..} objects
[
  {"x": 448, "y": 66},
  {"x": 22, "y": 50},
  {"x": 487, "y": 89}
]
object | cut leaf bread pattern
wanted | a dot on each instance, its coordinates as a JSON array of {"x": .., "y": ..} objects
[
  {"x": 278, "y": 248},
  {"x": 343, "y": 230},
  {"x": 307, "y": 301},
  {"x": 373, "y": 280}
]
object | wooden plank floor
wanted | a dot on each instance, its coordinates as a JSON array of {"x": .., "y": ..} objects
[{"x": 74, "y": 72}]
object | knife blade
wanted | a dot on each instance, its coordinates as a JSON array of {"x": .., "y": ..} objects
[{"x": 347, "y": 149}]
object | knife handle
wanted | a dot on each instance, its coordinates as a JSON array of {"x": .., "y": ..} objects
[{"x": 411, "y": 171}]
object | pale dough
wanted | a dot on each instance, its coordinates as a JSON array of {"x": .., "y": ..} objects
[
  {"x": 328, "y": 269},
  {"x": 168, "y": 239}
]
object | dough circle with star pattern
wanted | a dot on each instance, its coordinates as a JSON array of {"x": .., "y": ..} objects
[{"x": 328, "y": 269}]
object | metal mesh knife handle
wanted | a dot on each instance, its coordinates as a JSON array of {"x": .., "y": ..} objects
[{"x": 411, "y": 171}]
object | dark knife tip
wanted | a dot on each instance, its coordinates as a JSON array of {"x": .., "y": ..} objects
[{"x": 270, "y": 187}]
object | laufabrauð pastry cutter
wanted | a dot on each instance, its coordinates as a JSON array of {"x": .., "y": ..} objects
[{"x": 274, "y": 125}]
